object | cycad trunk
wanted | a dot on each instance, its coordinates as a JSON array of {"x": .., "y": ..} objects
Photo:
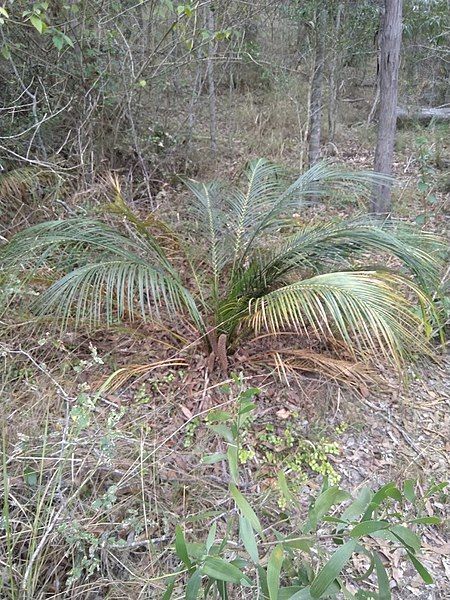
[
  {"x": 390, "y": 43},
  {"x": 315, "y": 101}
]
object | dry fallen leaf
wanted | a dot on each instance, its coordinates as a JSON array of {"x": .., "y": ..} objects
[
  {"x": 186, "y": 412},
  {"x": 283, "y": 413},
  {"x": 446, "y": 564}
]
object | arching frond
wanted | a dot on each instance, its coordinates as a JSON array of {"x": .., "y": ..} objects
[
  {"x": 113, "y": 290},
  {"x": 208, "y": 212},
  {"x": 264, "y": 186},
  {"x": 319, "y": 180},
  {"x": 324, "y": 177},
  {"x": 319, "y": 245},
  {"x": 109, "y": 274},
  {"x": 264, "y": 204},
  {"x": 74, "y": 239},
  {"x": 365, "y": 309}
]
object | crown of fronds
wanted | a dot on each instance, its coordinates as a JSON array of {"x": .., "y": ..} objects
[{"x": 241, "y": 263}]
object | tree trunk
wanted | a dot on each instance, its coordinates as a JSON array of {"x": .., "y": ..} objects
[
  {"x": 74, "y": 25},
  {"x": 390, "y": 43},
  {"x": 334, "y": 76},
  {"x": 315, "y": 99},
  {"x": 210, "y": 78}
]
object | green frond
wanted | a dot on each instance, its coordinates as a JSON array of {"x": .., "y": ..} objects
[
  {"x": 207, "y": 209},
  {"x": 264, "y": 185},
  {"x": 319, "y": 180},
  {"x": 364, "y": 309},
  {"x": 264, "y": 204},
  {"x": 315, "y": 246},
  {"x": 114, "y": 290},
  {"x": 324, "y": 177},
  {"x": 108, "y": 272},
  {"x": 75, "y": 239}
]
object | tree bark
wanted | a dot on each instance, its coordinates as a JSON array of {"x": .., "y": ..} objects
[
  {"x": 210, "y": 78},
  {"x": 315, "y": 99},
  {"x": 390, "y": 43},
  {"x": 334, "y": 76}
]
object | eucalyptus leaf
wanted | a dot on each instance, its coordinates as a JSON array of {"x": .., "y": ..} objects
[
  {"x": 232, "y": 456},
  {"x": 284, "y": 488},
  {"x": 408, "y": 490},
  {"x": 299, "y": 543},
  {"x": 211, "y": 459},
  {"x": 193, "y": 585},
  {"x": 358, "y": 506},
  {"x": 220, "y": 569},
  {"x": 420, "y": 568},
  {"x": 247, "y": 536},
  {"x": 180, "y": 547},
  {"x": 407, "y": 537},
  {"x": 245, "y": 508},
  {"x": 211, "y": 537},
  {"x": 427, "y": 520},
  {"x": 273, "y": 571},
  {"x": 332, "y": 569},
  {"x": 169, "y": 589},
  {"x": 387, "y": 491},
  {"x": 323, "y": 504},
  {"x": 224, "y": 432},
  {"x": 302, "y": 594},
  {"x": 368, "y": 527},
  {"x": 384, "y": 590}
]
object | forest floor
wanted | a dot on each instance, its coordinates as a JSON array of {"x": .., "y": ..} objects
[{"x": 142, "y": 443}]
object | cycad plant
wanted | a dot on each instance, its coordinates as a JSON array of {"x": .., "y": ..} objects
[{"x": 237, "y": 263}]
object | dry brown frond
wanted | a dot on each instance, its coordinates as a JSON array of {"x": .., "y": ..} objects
[
  {"x": 351, "y": 373},
  {"x": 124, "y": 374}
]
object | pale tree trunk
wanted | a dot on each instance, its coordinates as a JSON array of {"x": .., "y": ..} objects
[
  {"x": 210, "y": 79},
  {"x": 196, "y": 91},
  {"x": 334, "y": 76},
  {"x": 375, "y": 102},
  {"x": 146, "y": 18},
  {"x": 376, "y": 97},
  {"x": 74, "y": 25},
  {"x": 315, "y": 98},
  {"x": 390, "y": 43}
]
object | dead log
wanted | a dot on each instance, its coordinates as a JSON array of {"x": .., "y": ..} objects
[{"x": 423, "y": 116}]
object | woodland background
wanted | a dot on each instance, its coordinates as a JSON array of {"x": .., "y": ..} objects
[{"x": 158, "y": 89}]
